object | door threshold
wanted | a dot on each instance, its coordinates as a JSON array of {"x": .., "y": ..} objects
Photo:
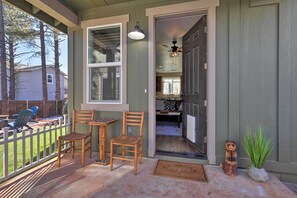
[{"x": 180, "y": 157}]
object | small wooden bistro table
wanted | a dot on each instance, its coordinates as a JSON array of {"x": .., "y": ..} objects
[{"x": 102, "y": 123}]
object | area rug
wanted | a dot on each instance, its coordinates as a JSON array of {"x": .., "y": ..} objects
[{"x": 180, "y": 170}]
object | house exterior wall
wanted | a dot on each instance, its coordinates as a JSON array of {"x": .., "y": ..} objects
[
  {"x": 256, "y": 78},
  {"x": 29, "y": 85},
  {"x": 256, "y": 75}
]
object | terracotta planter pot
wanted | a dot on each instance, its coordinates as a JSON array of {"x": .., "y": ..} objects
[{"x": 259, "y": 175}]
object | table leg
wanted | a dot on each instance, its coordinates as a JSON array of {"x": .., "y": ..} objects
[{"x": 102, "y": 143}]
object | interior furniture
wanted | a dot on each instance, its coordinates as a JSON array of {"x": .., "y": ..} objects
[
  {"x": 130, "y": 119},
  {"x": 168, "y": 114},
  {"x": 102, "y": 123},
  {"x": 79, "y": 117}
]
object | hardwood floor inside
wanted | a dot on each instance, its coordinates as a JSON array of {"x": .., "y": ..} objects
[
  {"x": 174, "y": 144},
  {"x": 169, "y": 139}
]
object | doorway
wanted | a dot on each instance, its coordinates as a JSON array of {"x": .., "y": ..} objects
[
  {"x": 181, "y": 85},
  {"x": 208, "y": 6}
]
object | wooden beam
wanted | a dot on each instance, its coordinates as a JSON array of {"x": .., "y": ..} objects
[
  {"x": 35, "y": 10},
  {"x": 57, "y": 10},
  {"x": 56, "y": 22}
]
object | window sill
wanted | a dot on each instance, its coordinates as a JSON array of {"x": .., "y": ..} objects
[{"x": 105, "y": 107}]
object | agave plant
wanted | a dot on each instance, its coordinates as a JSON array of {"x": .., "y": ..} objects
[{"x": 257, "y": 146}]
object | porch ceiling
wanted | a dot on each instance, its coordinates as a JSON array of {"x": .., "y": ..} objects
[{"x": 87, "y": 4}]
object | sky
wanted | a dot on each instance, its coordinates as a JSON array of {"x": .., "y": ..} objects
[{"x": 49, "y": 58}]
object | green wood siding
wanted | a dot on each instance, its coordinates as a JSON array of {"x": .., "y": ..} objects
[
  {"x": 256, "y": 85},
  {"x": 256, "y": 74}
]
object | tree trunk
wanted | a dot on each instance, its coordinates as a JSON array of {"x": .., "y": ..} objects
[
  {"x": 57, "y": 65},
  {"x": 5, "y": 106},
  {"x": 44, "y": 77},
  {"x": 11, "y": 70}
]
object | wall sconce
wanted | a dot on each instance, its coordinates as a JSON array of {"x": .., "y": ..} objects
[{"x": 137, "y": 33}]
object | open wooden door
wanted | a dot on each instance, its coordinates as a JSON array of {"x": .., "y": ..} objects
[{"x": 194, "y": 85}]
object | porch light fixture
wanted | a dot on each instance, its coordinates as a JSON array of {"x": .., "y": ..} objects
[{"x": 137, "y": 33}]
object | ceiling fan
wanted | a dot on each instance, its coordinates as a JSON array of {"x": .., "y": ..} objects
[{"x": 174, "y": 50}]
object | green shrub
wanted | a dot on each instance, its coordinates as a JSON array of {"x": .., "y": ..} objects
[{"x": 257, "y": 146}]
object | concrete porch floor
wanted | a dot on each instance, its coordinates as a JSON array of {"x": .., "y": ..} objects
[{"x": 71, "y": 180}]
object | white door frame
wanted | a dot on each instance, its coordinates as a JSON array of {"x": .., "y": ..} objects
[{"x": 191, "y": 7}]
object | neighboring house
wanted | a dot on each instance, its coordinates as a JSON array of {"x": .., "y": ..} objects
[
  {"x": 29, "y": 82},
  {"x": 249, "y": 72}
]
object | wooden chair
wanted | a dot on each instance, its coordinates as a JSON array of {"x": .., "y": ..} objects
[
  {"x": 129, "y": 119},
  {"x": 78, "y": 117}
]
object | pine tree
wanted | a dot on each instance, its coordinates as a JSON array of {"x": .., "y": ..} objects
[
  {"x": 5, "y": 104},
  {"x": 19, "y": 29},
  {"x": 43, "y": 66},
  {"x": 57, "y": 65}
]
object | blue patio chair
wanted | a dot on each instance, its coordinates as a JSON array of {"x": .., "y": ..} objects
[
  {"x": 34, "y": 112},
  {"x": 21, "y": 120}
]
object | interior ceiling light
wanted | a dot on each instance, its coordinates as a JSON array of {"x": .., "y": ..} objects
[
  {"x": 174, "y": 51},
  {"x": 137, "y": 33}
]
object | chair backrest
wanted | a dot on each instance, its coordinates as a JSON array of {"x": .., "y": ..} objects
[
  {"x": 22, "y": 118},
  {"x": 82, "y": 117},
  {"x": 133, "y": 119},
  {"x": 34, "y": 111}
]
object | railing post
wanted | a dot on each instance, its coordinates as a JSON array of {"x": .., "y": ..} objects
[
  {"x": 60, "y": 120},
  {"x": 5, "y": 152},
  {"x": 64, "y": 116},
  {"x": 69, "y": 125}
]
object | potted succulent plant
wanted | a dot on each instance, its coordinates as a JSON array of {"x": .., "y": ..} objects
[{"x": 258, "y": 147}]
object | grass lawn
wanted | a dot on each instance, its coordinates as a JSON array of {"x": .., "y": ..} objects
[{"x": 27, "y": 148}]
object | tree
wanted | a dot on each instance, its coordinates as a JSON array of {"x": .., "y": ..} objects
[
  {"x": 43, "y": 66},
  {"x": 5, "y": 106},
  {"x": 19, "y": 28},
  {"x": 57, "y": 65}
]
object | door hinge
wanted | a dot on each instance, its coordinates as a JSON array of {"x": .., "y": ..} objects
[
  {"x": 205, "y": 66},
  {"x": 205, "y": 139},
  {"x": 205, "y": 103},
  {"x": 205, "y": 30}
]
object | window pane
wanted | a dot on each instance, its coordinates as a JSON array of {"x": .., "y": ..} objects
[
  {"x": 105, "y": 84},
  {"x": 171, "y": 85},
  {"x": 104, "y": 44}
]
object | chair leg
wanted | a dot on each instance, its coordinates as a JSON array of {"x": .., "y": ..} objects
[
  {"x": 140, "y": 152},
  {"x": 135, "y": 158},
  {"x": 91, "y": 146},
  {"x": 83, "y": 152},
  {"x": 73, "y": 148},
  {"x": 59, "y": 152},
  {"x": 111, "y": 155}
]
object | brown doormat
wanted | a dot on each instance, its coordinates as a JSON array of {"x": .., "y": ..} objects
[{"x": 180, "y": 170}]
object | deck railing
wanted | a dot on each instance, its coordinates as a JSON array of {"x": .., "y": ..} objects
[{"x": 26, "y": 149}]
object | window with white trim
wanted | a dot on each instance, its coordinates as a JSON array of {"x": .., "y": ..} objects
[
  {"x": 50, "y": 78},
  {"x": 104, "y": 64}
]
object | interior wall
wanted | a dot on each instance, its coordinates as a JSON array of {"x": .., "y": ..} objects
[{"x": 256, "y": 79}]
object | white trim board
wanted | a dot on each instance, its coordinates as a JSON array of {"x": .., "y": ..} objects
[
  {"x": 122, "y": 106},
  {"x": 209, "y": 6}
]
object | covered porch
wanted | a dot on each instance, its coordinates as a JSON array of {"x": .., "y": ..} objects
[{"x": 71, "y": 180}]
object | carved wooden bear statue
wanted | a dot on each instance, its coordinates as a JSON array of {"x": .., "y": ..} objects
[{"x": 230, "y": 165}]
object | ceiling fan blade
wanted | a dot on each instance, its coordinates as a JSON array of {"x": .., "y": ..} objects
[{"x": 165, "y": 45}]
